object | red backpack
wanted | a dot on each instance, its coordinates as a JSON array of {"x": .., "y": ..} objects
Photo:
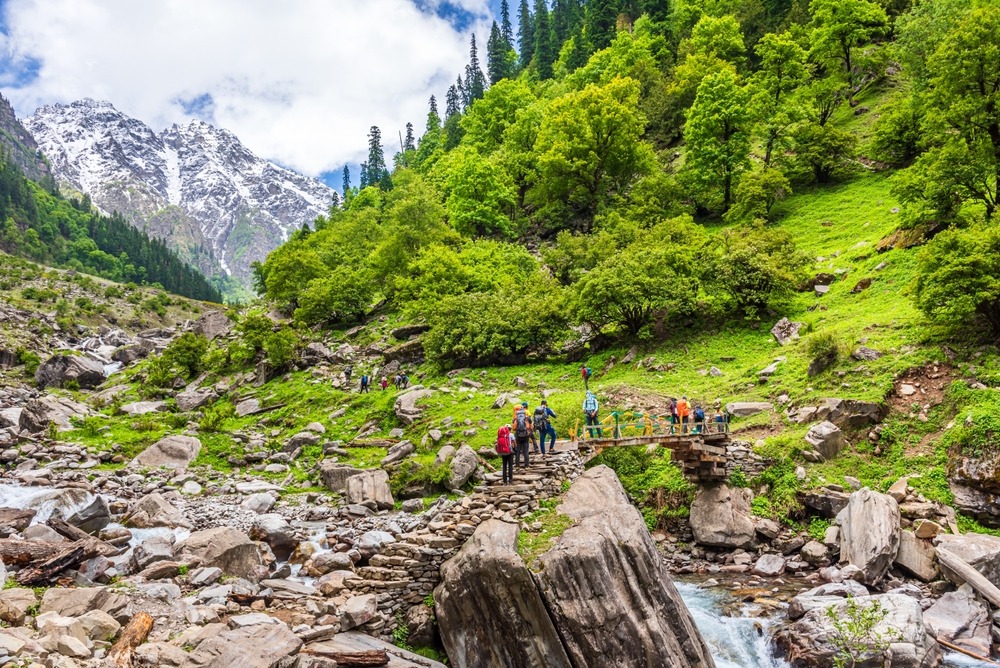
[{"x": 503, "y": 440}]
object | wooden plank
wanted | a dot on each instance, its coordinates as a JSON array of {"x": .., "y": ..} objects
[{"x": 135, "y": 633}]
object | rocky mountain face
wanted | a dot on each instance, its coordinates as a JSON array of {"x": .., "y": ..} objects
[
  {"x": 195, "y": 186},
  {"x": 17, "y": 143}
]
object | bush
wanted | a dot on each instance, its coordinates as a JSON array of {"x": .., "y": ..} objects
[
  {"x": 757, "y": 268},
  {"x": 279, "y": 347},
  {"x": 824, "y": 350},
  {"x": 186, "y": 352},
  {"x": 215, "y": 416},
  {"x": 29, "y": 359}
]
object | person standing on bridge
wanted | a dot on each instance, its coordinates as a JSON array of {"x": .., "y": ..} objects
[
  {"x": 684, "y": 413},
  {"x": 590, "y": 408},
  {"x": 543, "y": 425}
]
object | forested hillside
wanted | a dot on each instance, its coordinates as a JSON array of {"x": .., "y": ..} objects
[
  {"x": 640, "y": 152},
  {"x": 40, "y": 225}
]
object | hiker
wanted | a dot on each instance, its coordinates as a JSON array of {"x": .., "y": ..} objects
[
  {"x": 543, "y": 426},
  {"x": 586, "y": 373},
  {"x": 385, "y": 383},
  {"x": 505, "y": 449},
  {"x": 590, "y": 408},
  {"x": 348, "y": 370},
  {"x": 397, "y": 381},
  {"x": 522, "y": 434},
  {"x": 673, "y": 415},
  {"x": 683, "y": 413},
  {"x": 364, "y": 384},
  {"x": 406, "y": 381},
  {"x": 699, "y": 419}
]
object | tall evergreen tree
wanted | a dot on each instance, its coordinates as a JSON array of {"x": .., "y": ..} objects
[
  {"x": 378, "y": 174},
  {"x": 334, "y": 201},
  {"x": 452, "y": 102},
  {"x": 496, "y": 55},
  {"x": 409, "y": 143},
  {"x": 433, "y": 118},
  {"x": 475, "y": 81},
  {"x": 658, "y": 10},
  {"x": 578, "y": 53},
  {"x": 364, "y": 177},
  {"x": 566, "y": 19},
  {"x": 601, "y": 20},
  {"x": 463, "y": 92},
  {"x": 546, "y": 50},
  {"x": 506, "y": 30},
  {"x": 525, "y": 33},
  {"x": 346, "y": 184}
]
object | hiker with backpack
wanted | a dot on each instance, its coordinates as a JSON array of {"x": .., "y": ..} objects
[
  {"x": 586, "y": 373},
  {"x": 364, "y": 384},
  {"x": 699, "y": 419},
  {"x": 505, "y": 448},
  {"x": 385, "y": 383},
  {"x": 543, "y": 426},
  {"x": 684, "y": 413},
  {"x": 348, "y": 370},
  {"x": 673, "y": 415},
  {"x": 590, "y": 408},
  {"x": 522, "y": 434}
]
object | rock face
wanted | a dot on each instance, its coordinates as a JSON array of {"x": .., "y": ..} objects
[
  {"x": 370, "y": 487},
  {"x": 869, "y": 533},
  {"x": 221, "y": 547},
  {"x": 720, "y": 517},
  {"x": 174, "y": 452},
  {"x": 602, "y": 585},
  {"x": 61, "y": 369},
  {"x": 960, "y": 618},
  {"x": 39, "y": 413},
  {"x": 827, "y": 438}
]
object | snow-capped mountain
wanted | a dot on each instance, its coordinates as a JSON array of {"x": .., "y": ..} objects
[{"x": 197, "y": 187}]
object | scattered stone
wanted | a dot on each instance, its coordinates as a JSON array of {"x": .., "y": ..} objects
[
  {"x": 370, "y": 486},
  {"x": 174, "y": 452},
  {"x": 827, "y": 438},
  {"x": 785, "y": 331},
  {"x": 748, "y": 408}
]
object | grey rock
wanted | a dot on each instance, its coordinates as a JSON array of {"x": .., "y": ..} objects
[
  {"x": 277, "y": 532},
  {"x": 93, "y": 517},
  {"x": 61, "y": 369},
  {"x": 334, "y": 475},
  {"x": 223, "y": 547},
  {"x": 38, "y": 414},
  {"x": 917, "y": 556},
  {"x": 153, "y": 510},
  {"x": 358, "y": 610},
  {"x": 463, "y": 465},
  {"x": 370, "y": 486},
  {"x": 257, "y": 646},
  {"x": 960, "y": 618},
  {"x": 869, "y": 533},
  {"x": 981, "y": 551},
  {"x": 720, "y": 517},
  {"x": 748, "y": 408},
  {"x": 769, "y": 565},
  {"x": 213, "y": 324},
  {"x": 191, "y": 400},
  {"x": 247, "y": 406},
  {"x": 786, "y": 331},
  {"x": 398, "y": 452},
  {"x": 143, "y": 407},
  {"x": 174, "y": 452},
  {"x": 827, "y": 438},
  {"x": 407, "y": 407}
]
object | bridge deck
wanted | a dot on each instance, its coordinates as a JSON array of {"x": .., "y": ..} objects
[{"x": 702, "y": 457}]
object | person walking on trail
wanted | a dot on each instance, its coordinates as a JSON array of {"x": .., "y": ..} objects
[
  {"x": 522, "y": 435},
  {"x": 699, "y": 420},
  {"x": 543, "y": 425},
  {"x": 385, "y": 383},
  {"x": 684, "y": 413},
  {"x": 590, "y": 408},
  {"x": 364, "y": 384},
  {"x": 586, "y": 373},
  {"x": 348, "y": 370},
  {"x": 505, "y": 448}
]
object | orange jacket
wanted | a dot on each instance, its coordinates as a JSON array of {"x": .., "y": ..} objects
[{"x": 683, "y": 408}]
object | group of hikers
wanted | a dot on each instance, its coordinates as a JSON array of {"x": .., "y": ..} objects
[
  {"x": 525, "y": 433},
  {"x": 682, "y": 416},
  {"x": 400, "y": 380}
]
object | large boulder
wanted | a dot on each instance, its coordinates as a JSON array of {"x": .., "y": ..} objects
[
  {"x": 137, "y": 408},
  {"x": 981, "y": 551},
  {"x": 370, "y": 487},
  {"x": 61, "y": 369},
  {"x": 917, "y": 556},
  {"x": 355, "y": 642},
  {"x": 853, "y": 413},
  {"x": 463, "y": 465},
  {"x": 785, "y": 331},
  {"x": 960, "y": 618},
  {"x": 93, "y": 517},
  {"x": 334, "y": 475},
  {"x": 827, "y": 438},
  {"x": 221, "y": 547},
  {"x": 975, "y": 485},
  {"x": 174, "y": 452},
  {"x": 276, "y": 531},
  {"x": 748, "y": 408},
  {"x": 213, "y": 325},
  {"x": 153, "y": 510},
  {"x": 720, "y": 517},
  {"x": 256, "y": 646},
  {"x": 398, "y": 452},
  {"x": 406, "y": 407},
  {"x": 39, "y": 413},
  {"x": 191, "y": 400},
  {"x": 869, "y": 533}
]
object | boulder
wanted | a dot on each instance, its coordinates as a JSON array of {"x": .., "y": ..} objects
[
  {"x": 444, "y": 454},
  {"x": 213, "y": 324},
  {"x": 315, "y": 353},
  {"x": 420, "y": 626},
  {"x": 720, "y": 517},
  {"x": 256, "y": 646},
  {"x": 358, "y": 610},
  {"x": 785, "y": 331},
  {"x": 143, "y": 407},
  {"x": 769, "y": 565},
  {"x": 398, "y": 452},
  {"x": 39, "y": 413},
  {"x": 748, "y": 408},
  {"x": 827, "y": 502},
  {"x": 174, "y": 452},
  {"x": 917, "y": 556},
  {"x": 258, "y": 503},
  {"x": 276, "y": 531},
  {"x": 93, "y": 517},
  {"x": 869, "y": 533},
  {"x": 960, "y": 618},
  {"x": 854, "y": 413},
  {"x": 133, "y": 352},
  {"x": 191, "y": 400},
  {"x": 221, "y": 547},
  {"x": 406, "y": 407},
  {"x": 247, "y": 406},
  {"x": 152, "y": 550},
  {"x": 463, "y": 465},
  {"x": 61, "y": 369},
  {"x": 408, "y": 352},
  {"x": 981, "y": 551},
  {"x": 406, "y": 331},
  {"x": 153, "y": 510},
  {"x": 827, "y": 438},
  {"x": 334, "y": 475},
  {"x": 354, "y": 642},
  {"x": 370, "y": 486}
]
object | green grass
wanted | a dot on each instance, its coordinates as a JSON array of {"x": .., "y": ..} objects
[{"x": 533, "y": 543}]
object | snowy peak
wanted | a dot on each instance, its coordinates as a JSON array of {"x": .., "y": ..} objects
[{"x": 196, "y": 186}]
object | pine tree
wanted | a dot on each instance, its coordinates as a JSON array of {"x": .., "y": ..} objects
[
  {"x": 453, "y": 101},
  {"x": 525, "y": 33},
  {"x": 364, "y": 177},
  {"x": 566, "y": 19},
  {"x": 409, "y": 143},
  {"x": 347, "y": 182},
  {"x": 579, "y": 53},
  {"x": 601, "y": 20},
  {"x": 506, "y": 30},
  {"x": 378, "y": 174},
  {"x": 463, "y": 92},
  {"x": 335, "y": 201},
  {"x": 475, "y": 82},
  {"x": 496, "y": 55},
  {"x": 658, "y": 10},
  {"x": 546, "y": 51},
  {"x": 433, "y": 118}
]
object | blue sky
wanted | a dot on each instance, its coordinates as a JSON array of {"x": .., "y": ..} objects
[{"x": 300, "y": 83}]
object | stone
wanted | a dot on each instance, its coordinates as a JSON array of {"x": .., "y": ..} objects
[
  {"x": 398, "y": 452},
  {"x": 175, "y": 452},
  {"x": 223, "y": 547},
  {"x": 898, "y": 489},
  {"x": 334, "y": 475},
  {"x": 419, "y": 621},
  {"x": 247, "y": 406},
  {"x": 720, "y": 517},
  {"x": 786, "y": 331},
  {"x": 463, "y": 466},
  {"x": 444, "y": 454},
  {"x": 917, "y": 556},
  {"x": 191, "y": 488},
  {"x": 748, "y": 408},
  {"x": 137, "y": 408},
  {"x": 76, "y": 602},
  {"x": 201, "y": 577},
  {"x": 38, "y": 414},
  {"x": 815, "y": 553},
  {"x": 61, "y": 369},
  {"x": 257, "y": 646},
  {"x": 191, "y": 400},
  {"x": 99, "y": 625},
  {"x": 406, "y": 406},
  {"x": 413, "y": 506},
  {"x": 14, "y": 604},
  {"x": 259, "y": 503},
  {"x": 351, "y": 642},
  {"x": 827, "y": 438},
  {"x": 853, "y": 413},
  {"x": 153, "y": 510},
  {"x": 370, "y": 486},
  {"x": 906, "y": 390},
  {"x": 213, "y": 324},
  {"x": 769, "y": 565},
  {"x": 865, "y": 354},
  {"x": 277, "y": 532},
  {"x": 826, "y": 502},
  {"x": 869, "y": 533},
  {"x": 926, "y": 528},
  {"x": 315, "y": 353},
  {"x": 981, "y": 551},
  {"x": 93, "y": 517},
  {"x": 42, "y": 532},
  {"x": 150, "y": 551},
  {"x": 358, "y": 610},
  {"x": 327, "y": 562},
  {"x": 300, "y": 440},
  {"x": 767, "y": 528},
  {"x": 959, "y": 617},
  {"x": 768, "y": 371}
]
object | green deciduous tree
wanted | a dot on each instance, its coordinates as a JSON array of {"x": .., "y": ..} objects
[
  {"x": 342, "y": 295},
  {"x": 820, "y": 151},
  {"x": 288, "y": 270},
  {"x": 839, "y": 27},
  {"x": 481, "y": 196},
  {"x": 487, "y": 121},
  {"x": 718, "y": 134},
  {"x": 757, "y": 268},
  {"x": 756, "y": 193},
  {"x": 782, "y": 71}
]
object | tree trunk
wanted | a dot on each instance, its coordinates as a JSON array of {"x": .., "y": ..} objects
[
  {"x": 48, "y": 569},
  {"x": 22, "y": 552},
  {"x": 372, "y": 657},
  {"x": 135, "y": 633}
]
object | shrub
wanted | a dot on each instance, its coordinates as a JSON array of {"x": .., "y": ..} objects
[
  {"x": 215, "y": 416},
  {"x": 29, "y": 359},
  {"x": 279, "y": 347},
  {"x": 824, "y": 347},
  {"x": 756, "y": 268},
  {"x": 186, "y": 352}
]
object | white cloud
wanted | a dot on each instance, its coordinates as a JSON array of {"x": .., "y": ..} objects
[{"x": 300, "y": 82}]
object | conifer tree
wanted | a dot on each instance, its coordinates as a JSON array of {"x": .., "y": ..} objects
[
  {"x": 475, "y": 81},
  {"x": 601, "y": 20},
  {"x": 433, "y": 118},
  {"x": 658, "y": 10},
  {"x": 566, "y": 20},
  {"x": 546, "y": 50},
  {"x": 525, "y": 33},
  {"x": 409, "y": 143},
  {"x": 334, "y": 201},
  {"x": 452, "y": 102},
  {"x": 364, "y": 177},
  {"x": 463, "y": 93},
  {"x": 506, "y": 30},
  {"x": 496, "y": 56},
  {"x": 378, "y": 174},
  {"x": 347, "y": 182}
]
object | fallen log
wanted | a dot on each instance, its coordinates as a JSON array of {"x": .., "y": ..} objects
[
  {"x": 22, "y": 552},
  {"x": 134, "y": 634},
  {"x": 970, "y": 575},
  {"x": 50, "y": 568},
  {"x": 371, "y": 657},
  {"x": 966, "y": 652},
  {"x": 95, "y": 545}
]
